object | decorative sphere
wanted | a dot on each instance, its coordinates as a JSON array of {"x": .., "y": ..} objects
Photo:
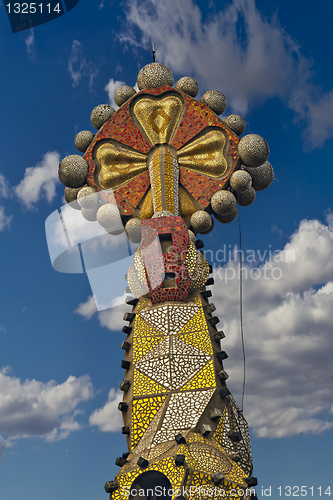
[
  {"x": 71, "y": 197},
  {"x": 133, "y": 230},
  {"x": 225, "y": 219},
  {"x": 223, "y": 202},
  {"x": 89, "y": 214},
  {"x": 262, "y": 176},
  {"x": 73, "y": 171},
  {"x": 100, "y": 115},
  {"x": 210, "y": 229},
  {"x": 246, "y": 198},
  {"x": 153, "y": 76},
  {"x": 83, "y": 140},
  {"x": 201, "y": 221},
  {"x": 240, "y": 181},
  {"x": 188, "y": 85},
  {"x": 88, "y": 198},
  {"x": 253, "y": 150},
  {"x": 236, "y": 123},
  {"x": 192, "y": 236},
  {"x": 215, "y": 101},
  {"x": 122, "y": 94},
  {"x": 108, "y": 216}
]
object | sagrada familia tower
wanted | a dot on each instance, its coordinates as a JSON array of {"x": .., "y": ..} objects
[{"x": 166, "y": 165}]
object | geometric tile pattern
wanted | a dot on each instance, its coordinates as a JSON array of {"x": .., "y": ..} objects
[
  {"x": 139, "y": 425},
  {"x": 232, "y": 420},
  {"x": 205, "y": 378},
  {"x": 143, "y": 385},
  {"x": 173, "y": 371},
  {"x": 206, "y": 456},
  {"x": 172, "y": 362}
]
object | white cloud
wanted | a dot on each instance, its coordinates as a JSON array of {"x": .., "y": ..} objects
[
  {"x": 33, "y": 408},
  {"x": 288, "y": 326},
  {"x": 5, "y": 190},
  {"x": 108, "y": 418},
  {"x": 39, "y": 181},
  {"x": 110, "y": 88},
  {"x": 2, "y": 448},
  {"x": 111, "y": 318},
  {"x": 30, "y": 44},
  {"x": 235, "y": 50},
  {"x": 79, "y": 67},
  {"x": 87, "y": 309},
  {"x": 5, "y": 220}
]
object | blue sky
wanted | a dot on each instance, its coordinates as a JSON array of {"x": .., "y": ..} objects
[{"x": 59, "y": 357}]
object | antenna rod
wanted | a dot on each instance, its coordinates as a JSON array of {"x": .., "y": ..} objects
[{"x": 153, "y": 52}]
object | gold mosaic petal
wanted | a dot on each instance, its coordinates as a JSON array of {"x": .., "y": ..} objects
[
  {"x": 119, "y": 164},
  {"x": 205, "y": 378},
  {"x": 143, "y": 412},
  {"x": 143, "y": 385},
  {"x": 206, "y": 155},
  {"x": 159, "y": 118},
  {"x": 187, "y": 207},
  {"x": 147, "y": 208}
]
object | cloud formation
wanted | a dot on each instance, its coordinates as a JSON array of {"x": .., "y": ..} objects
[
  {"x": 108, "y": 418},
  {"x": 39, "y": 181},
  {"x": 110, "y": 88},
  {"x": 33, "y": 408},
  {"x": 288, "y": 334},
  {"x": 5, "y": 219},
  {"x": 79, "y": 67},
  {"x": 111, "y": 318},
  {"x": 236, "y": 50},
  {"x": 5, "y": 190},
  {"x": 30, "y": 44}
]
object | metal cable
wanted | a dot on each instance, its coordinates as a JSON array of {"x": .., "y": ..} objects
[{"x": 241, "y": 306}]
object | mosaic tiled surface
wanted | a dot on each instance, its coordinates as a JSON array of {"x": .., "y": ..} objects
[
  {"x": 205, "y": 455},
  {"x": 164, "y": 151},
  {"x": 164, "y": 180},
  {"x": 207, "y": 148},
  {"x": 233, "y": 421},
  {"x": 157, "y": 264},
  {"x": 178, "y": 363}
]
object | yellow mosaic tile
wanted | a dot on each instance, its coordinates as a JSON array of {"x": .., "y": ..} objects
[
  {"x": 205, "y": 378},
  {"x": 143, "y": 385},
  {"x": 143, "y": 412},
  {"x": 201, "y": 340},
  {"x": 144, "y": 344}
]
